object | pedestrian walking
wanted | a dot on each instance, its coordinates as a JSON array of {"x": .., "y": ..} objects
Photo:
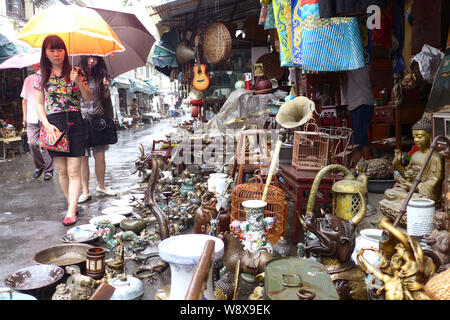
[
  {"x": 59, "y": 88},
  {"x": 101, "y": 104},
  {"x": 41, "y": 158},
  {"x": 357, "y": 92}
]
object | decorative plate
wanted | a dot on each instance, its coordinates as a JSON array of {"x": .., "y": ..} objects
[
  {"x": 112, "y": 218},
  {"x": 124, "y": 210}
]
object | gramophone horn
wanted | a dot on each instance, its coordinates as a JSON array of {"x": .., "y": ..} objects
[
  {"x": 184, "y": 52},
  {"x": 295, "y": 112}
]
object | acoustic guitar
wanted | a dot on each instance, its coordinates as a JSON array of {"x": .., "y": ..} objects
[{"x": 201, "y": 80}]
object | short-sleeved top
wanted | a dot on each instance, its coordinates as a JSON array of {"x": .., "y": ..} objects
[
  {"x": 60, "y": 96},
  {"x": 98, "y": 105},
  {"x": 28, "y": 94}
]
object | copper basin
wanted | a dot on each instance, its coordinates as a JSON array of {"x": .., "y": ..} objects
[{"x": 63, "y": 254}]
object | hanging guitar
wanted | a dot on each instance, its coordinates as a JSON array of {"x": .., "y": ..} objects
[{"x": 201, "y": 79}]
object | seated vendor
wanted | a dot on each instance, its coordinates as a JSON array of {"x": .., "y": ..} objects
[{"x": 7, "y": 129}]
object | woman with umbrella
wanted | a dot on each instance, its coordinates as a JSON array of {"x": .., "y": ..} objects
[
  {"x": 58, "y": 92},
  {"x": 101, "y": 105}
]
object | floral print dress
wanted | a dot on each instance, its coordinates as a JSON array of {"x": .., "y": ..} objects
[{"x": 60, "y": 96}]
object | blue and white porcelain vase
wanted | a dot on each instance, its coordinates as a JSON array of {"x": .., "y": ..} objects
[{"x": 254, "y": 228}]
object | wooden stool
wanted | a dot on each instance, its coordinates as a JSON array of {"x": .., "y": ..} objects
[{"x": 252, "y": 147}]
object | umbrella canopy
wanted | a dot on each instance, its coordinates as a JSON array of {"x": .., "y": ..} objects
[
  {"x": 9, "y": 48},
  {"x": 22, "y": 60},
  {"x": 83, "y": 30},
  {"x": 163, "y": 53},
  {"x": 134, "y": 36}
]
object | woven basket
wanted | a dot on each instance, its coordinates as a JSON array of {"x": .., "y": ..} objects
[
  {"x": 438, "y": 287},
  {"x": 217, "y": 43},
  {"x": 271, "y": 65},
  {"x": 276, "y": 206}
]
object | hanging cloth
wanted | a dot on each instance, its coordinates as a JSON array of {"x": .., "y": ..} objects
[
  {"x": 282, "y": 11},
  {"x": 270, "y": 18},
  {"x": 329, "y": 44},
  {"x": 296, "y": 32}
]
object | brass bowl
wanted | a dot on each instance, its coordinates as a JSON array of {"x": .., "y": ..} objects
[
  {"x": 35, "y": 280},
  {"x": 63, "y": 254}
]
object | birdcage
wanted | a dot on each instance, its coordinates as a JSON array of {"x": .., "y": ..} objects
[
  {"x": 340, "y": 145},
  {"x": 252, "y": 147},
  {"x": 310, "y": 151},
  {"x": 276, "y": 206}
]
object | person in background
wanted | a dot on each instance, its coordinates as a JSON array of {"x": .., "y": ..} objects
[
  {"x": 41, "y": 158},
  {"x": 58, "y": 89},
  {"x": 357, "y": 92},
  {"x": 98, "y": 79}
]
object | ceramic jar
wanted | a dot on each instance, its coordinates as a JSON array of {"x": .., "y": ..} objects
[
  {"x": 183, "y": 252},
  {"x": 420, "y": 217},
  {"x": 254, "y": 228},
  {"x": 127, "y": 288},
  {"x": 95, "y": 262},
  {"x": 369, "y": 238},
  {"x": 217, "y": 182}
]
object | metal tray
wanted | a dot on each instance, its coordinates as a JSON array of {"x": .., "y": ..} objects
[{"x": 285, "y": 276}]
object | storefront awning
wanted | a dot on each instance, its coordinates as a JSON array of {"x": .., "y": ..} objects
[
  {"x": 140, "y": 86},
  {"x": 121, "y": 82}
]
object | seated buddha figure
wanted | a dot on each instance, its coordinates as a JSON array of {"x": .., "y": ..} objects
[{"x": 430, "y": 186}]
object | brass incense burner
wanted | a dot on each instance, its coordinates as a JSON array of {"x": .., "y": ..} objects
[{"x": 335, "y": 233}]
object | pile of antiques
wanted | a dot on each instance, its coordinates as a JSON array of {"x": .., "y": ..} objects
[{"x": 216, "y": 233}]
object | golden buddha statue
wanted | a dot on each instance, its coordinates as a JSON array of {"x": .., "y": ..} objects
[{"x": 432, "y": 179}]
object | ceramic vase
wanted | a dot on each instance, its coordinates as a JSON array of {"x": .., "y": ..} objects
[
  {"x": 254, "y": 228},
  {"x": 369, "y": 238},
  {"x": 217, "y": 182},
  {"x": 183, "y": 252},
  {"x": 420, "y": 217}
]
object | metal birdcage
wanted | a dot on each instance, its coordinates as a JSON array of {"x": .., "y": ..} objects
[
  {"x": 276, "y": 206},
  {"x": 311, "y": 147}
]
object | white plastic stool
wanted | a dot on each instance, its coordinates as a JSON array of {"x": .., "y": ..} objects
[{"x": 183, "y": 253}]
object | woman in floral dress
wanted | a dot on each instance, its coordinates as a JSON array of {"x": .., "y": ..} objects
[{"x": 59, "y": 88}]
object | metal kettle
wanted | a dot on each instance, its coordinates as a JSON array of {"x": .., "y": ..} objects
[{"x": 348, "y": 194}]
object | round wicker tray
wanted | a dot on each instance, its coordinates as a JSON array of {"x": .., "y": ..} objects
[
  {"x": 217, "y": 43},
  {"x": 271, "y": 65}
]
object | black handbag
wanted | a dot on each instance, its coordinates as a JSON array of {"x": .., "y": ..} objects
[
  {"x": 100, "y": 131},
  {"x": 25, "y": 145}
]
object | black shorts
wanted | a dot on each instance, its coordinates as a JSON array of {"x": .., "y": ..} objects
[{"x": 77, "y": 133}]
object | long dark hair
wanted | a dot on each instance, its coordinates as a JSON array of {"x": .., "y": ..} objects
[
  {"x": 53, "y": 42},
  {"x": 97, "y": 73}
]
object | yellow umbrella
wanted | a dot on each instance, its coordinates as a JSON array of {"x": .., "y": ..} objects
[{"x": 83, "y": 30}]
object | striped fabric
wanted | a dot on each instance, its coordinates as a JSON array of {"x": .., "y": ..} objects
[{"x": 329, "y": 44}]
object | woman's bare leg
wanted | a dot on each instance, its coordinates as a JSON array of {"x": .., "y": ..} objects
[
  {"x": 100, "y": 168},
  {"x": 85, "y": 175},
  {"x": 74, "y": 173}
]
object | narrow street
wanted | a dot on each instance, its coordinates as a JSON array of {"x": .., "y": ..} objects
[{"x": 31, "y": 211}]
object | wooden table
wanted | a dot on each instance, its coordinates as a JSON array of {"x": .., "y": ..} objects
[
  {"x": 297, "y": 184},
  {"x": 6, "y": 144}
]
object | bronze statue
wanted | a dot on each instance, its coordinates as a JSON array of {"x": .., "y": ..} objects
[
  {"x": 251, "y": 263},
  {"x": 404, "y": 269},
  {"x": 439, "y": 239},
  {"x": 207, "y": 219},
  {"x": 335, "y": 243},
  {"x": 432, "y": 179}
]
